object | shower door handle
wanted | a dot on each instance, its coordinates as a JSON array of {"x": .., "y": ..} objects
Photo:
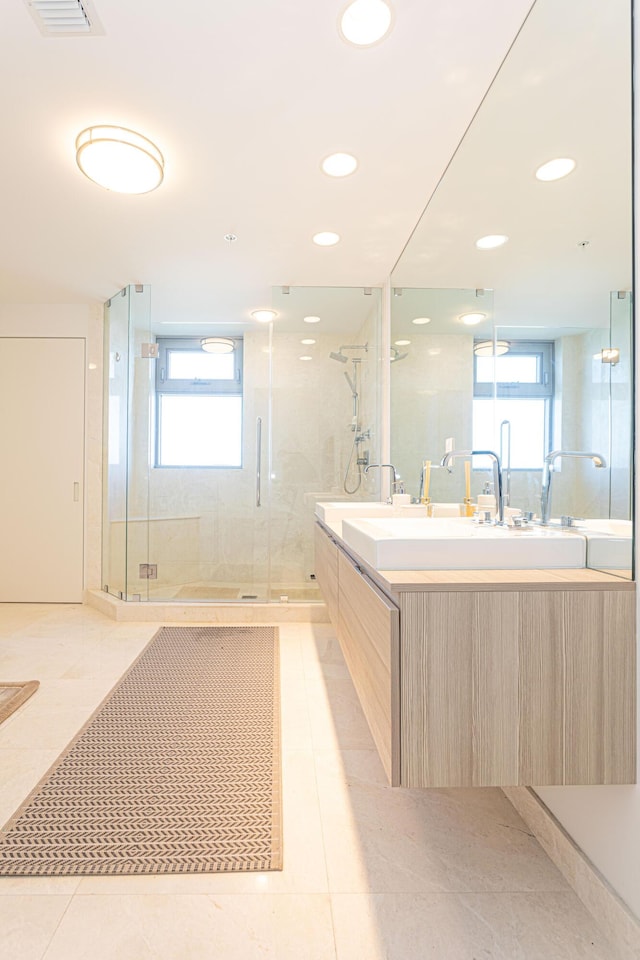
[{"x": 258, "y": 458}]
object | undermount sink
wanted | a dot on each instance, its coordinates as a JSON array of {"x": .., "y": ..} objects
[{"x": 419, "y": 543}]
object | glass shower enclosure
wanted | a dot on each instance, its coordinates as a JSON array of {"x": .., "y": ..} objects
[{"x": 211, "y": 478}]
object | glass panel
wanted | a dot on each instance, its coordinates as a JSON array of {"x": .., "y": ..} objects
[
  {"x": 189, "y": 365},
  {"x": 516, "y": 369},
  {"x": 199, "y": 431}
]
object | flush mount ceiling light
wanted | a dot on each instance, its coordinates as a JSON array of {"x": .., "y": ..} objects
[
  {"x": 263, "y": 316},
  {"x": 491, "y": 241},
  {"x": 470, "y": 319},
  {"x": 339, "y": 164},
  {"x": 365, "y": 22},
  {"x": 217, "y": 345},
  {"x": 419, "y": 321},
  {"x": 119, "y": 159},
  {"x": 491, "y": 348},
  {"x": 555, "y": 169},
  {"x": 326, "y": 239},
  {"x": 311, "y": 319}
]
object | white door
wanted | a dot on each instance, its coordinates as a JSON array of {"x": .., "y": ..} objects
[{"x": 41, "y": 469}]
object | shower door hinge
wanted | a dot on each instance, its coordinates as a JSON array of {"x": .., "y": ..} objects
[
  {"x": 148, "y": 571},
  {"x": 149, "y": 351}
]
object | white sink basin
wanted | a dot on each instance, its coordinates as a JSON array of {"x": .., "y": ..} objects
[
  {"x": 419, "y": 543},
  {"x": 342, "y": 509},
  {"x": 609, "y": 543}
]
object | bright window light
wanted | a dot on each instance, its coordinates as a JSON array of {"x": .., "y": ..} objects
[{"x": 200, "y": 431}]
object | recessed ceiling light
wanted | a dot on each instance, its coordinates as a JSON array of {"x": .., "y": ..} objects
[
  {"x": 402, "y": 343},
  {"x": 308, "y": 343},
  {"x": 119, "y": 159},
  {"x": 311, "y": 319},
  {"x": 491, "y": 241},
  {"x": 470, "y": 319},
  {"x": 339, "y": 164},
  {"x": 365, "y": 22},
  {"x": 326, "y": 239},
  {"x": 555, "y": 169},
  {"x": 305, "y": 358},
  {"x": 421, "y": 320},
  {"x": 263, "y": 316}
]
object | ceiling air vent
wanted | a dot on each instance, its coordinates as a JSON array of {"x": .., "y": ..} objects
[{"x": 65, "y": 18}]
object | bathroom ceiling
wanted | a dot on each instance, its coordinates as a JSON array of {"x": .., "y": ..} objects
[{"x": 244, "y": 100}]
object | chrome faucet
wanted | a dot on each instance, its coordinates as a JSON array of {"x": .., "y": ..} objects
[
  {"x": 547, "y": 470},
  {"x": 497, "y": 474},
  {"x": 394, "y": 476}
]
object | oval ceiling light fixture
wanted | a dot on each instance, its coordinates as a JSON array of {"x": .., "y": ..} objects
[
  {"x": 308, "y": 343},
  {"x": 311, "y": 319},
  {"x": 555, "y": 169},
  {"x": 419, "y": 321},
  {"x": 402, "y": 343},
  {"x": 339, "y": 164},
  {"x": 365, "y": 22},
  {"x": 470, "y": 319},
  {"x": 263, "y": 316},
  {"x": 491, "y": 348},
  {"x": 491, "y": 241},
  {"x": 217, "y": 345},
  {"x": 119, "y": 159},
  {"x": 326, "y": 239}
]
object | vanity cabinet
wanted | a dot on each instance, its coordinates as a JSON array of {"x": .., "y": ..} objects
[{"x": 488, "y": 678}]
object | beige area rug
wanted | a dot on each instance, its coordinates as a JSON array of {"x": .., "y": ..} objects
[
  {"x": 13, "y": 695},
  {"x": 178, "y": 771}
]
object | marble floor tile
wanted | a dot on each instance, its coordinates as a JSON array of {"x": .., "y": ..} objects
[
  {"x": 381, "y": 839},
  {"x": 513, "y": 926},
  {"x": 27, "y": 924},
  {"x": 220, "y": 927}
]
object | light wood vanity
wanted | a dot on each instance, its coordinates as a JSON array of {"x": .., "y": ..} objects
[{"x": 488, "y": 677}]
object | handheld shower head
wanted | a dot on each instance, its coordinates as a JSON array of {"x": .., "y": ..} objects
[{"x": 351, "y": 384}]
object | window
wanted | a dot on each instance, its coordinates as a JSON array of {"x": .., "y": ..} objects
[
  {"x": 516, "y": 387},
  {"x": 198, "y": 405}
]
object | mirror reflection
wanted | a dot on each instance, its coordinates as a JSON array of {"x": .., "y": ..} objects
[{"x": 529, "y": 232}]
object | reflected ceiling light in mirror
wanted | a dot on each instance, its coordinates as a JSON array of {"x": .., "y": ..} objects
[
  {"x": 420, "y": 321},
  {"x": 402, "y": 343},
  {"x": 311, "y": 319},
  {"x": 308, "y": 342},
  {"x": 555, "y": 169},
  {"x": 326, "y": 239},
  {"x": 491, "y": 348},
  {"x": 339, "y": 164},
  {"x": 365, "y": 22},
  {"x": 263, "y": 316},
  {"x": 470, "y": 319},
  {"x": 119, "y": 159},
  {"x": 305, "y": 357},
  {"x": 491, "y": 241},
  {"x": 217, "y": 345}
]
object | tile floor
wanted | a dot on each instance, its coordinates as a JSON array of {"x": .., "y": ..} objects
[{"x": 370, "y": 873}]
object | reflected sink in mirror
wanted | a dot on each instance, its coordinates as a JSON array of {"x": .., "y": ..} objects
[
  {"x": 459, "y": 544},
  {"x": 330, "y": 512}
]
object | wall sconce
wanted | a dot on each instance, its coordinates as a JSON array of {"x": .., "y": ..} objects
[
  {"x": 217, "y": 345},
  {"x": 491, "y": 348}
]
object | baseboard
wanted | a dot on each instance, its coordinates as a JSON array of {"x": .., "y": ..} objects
[{"x": 612, "y": 915}]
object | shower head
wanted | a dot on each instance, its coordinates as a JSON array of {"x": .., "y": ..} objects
[
  {"x": 338, "y": 356},
  {"x": 397, "y": 355},
  {"x": 349, "y": 346}
]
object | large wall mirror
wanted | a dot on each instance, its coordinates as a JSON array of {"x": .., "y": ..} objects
[{"x": 524, "y": 345}]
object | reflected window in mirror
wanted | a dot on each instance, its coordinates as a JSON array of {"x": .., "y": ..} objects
[{"x": 514, "y": 390}]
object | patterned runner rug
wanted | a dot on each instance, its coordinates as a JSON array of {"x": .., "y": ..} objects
[{"x": 178, "y": 771}]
